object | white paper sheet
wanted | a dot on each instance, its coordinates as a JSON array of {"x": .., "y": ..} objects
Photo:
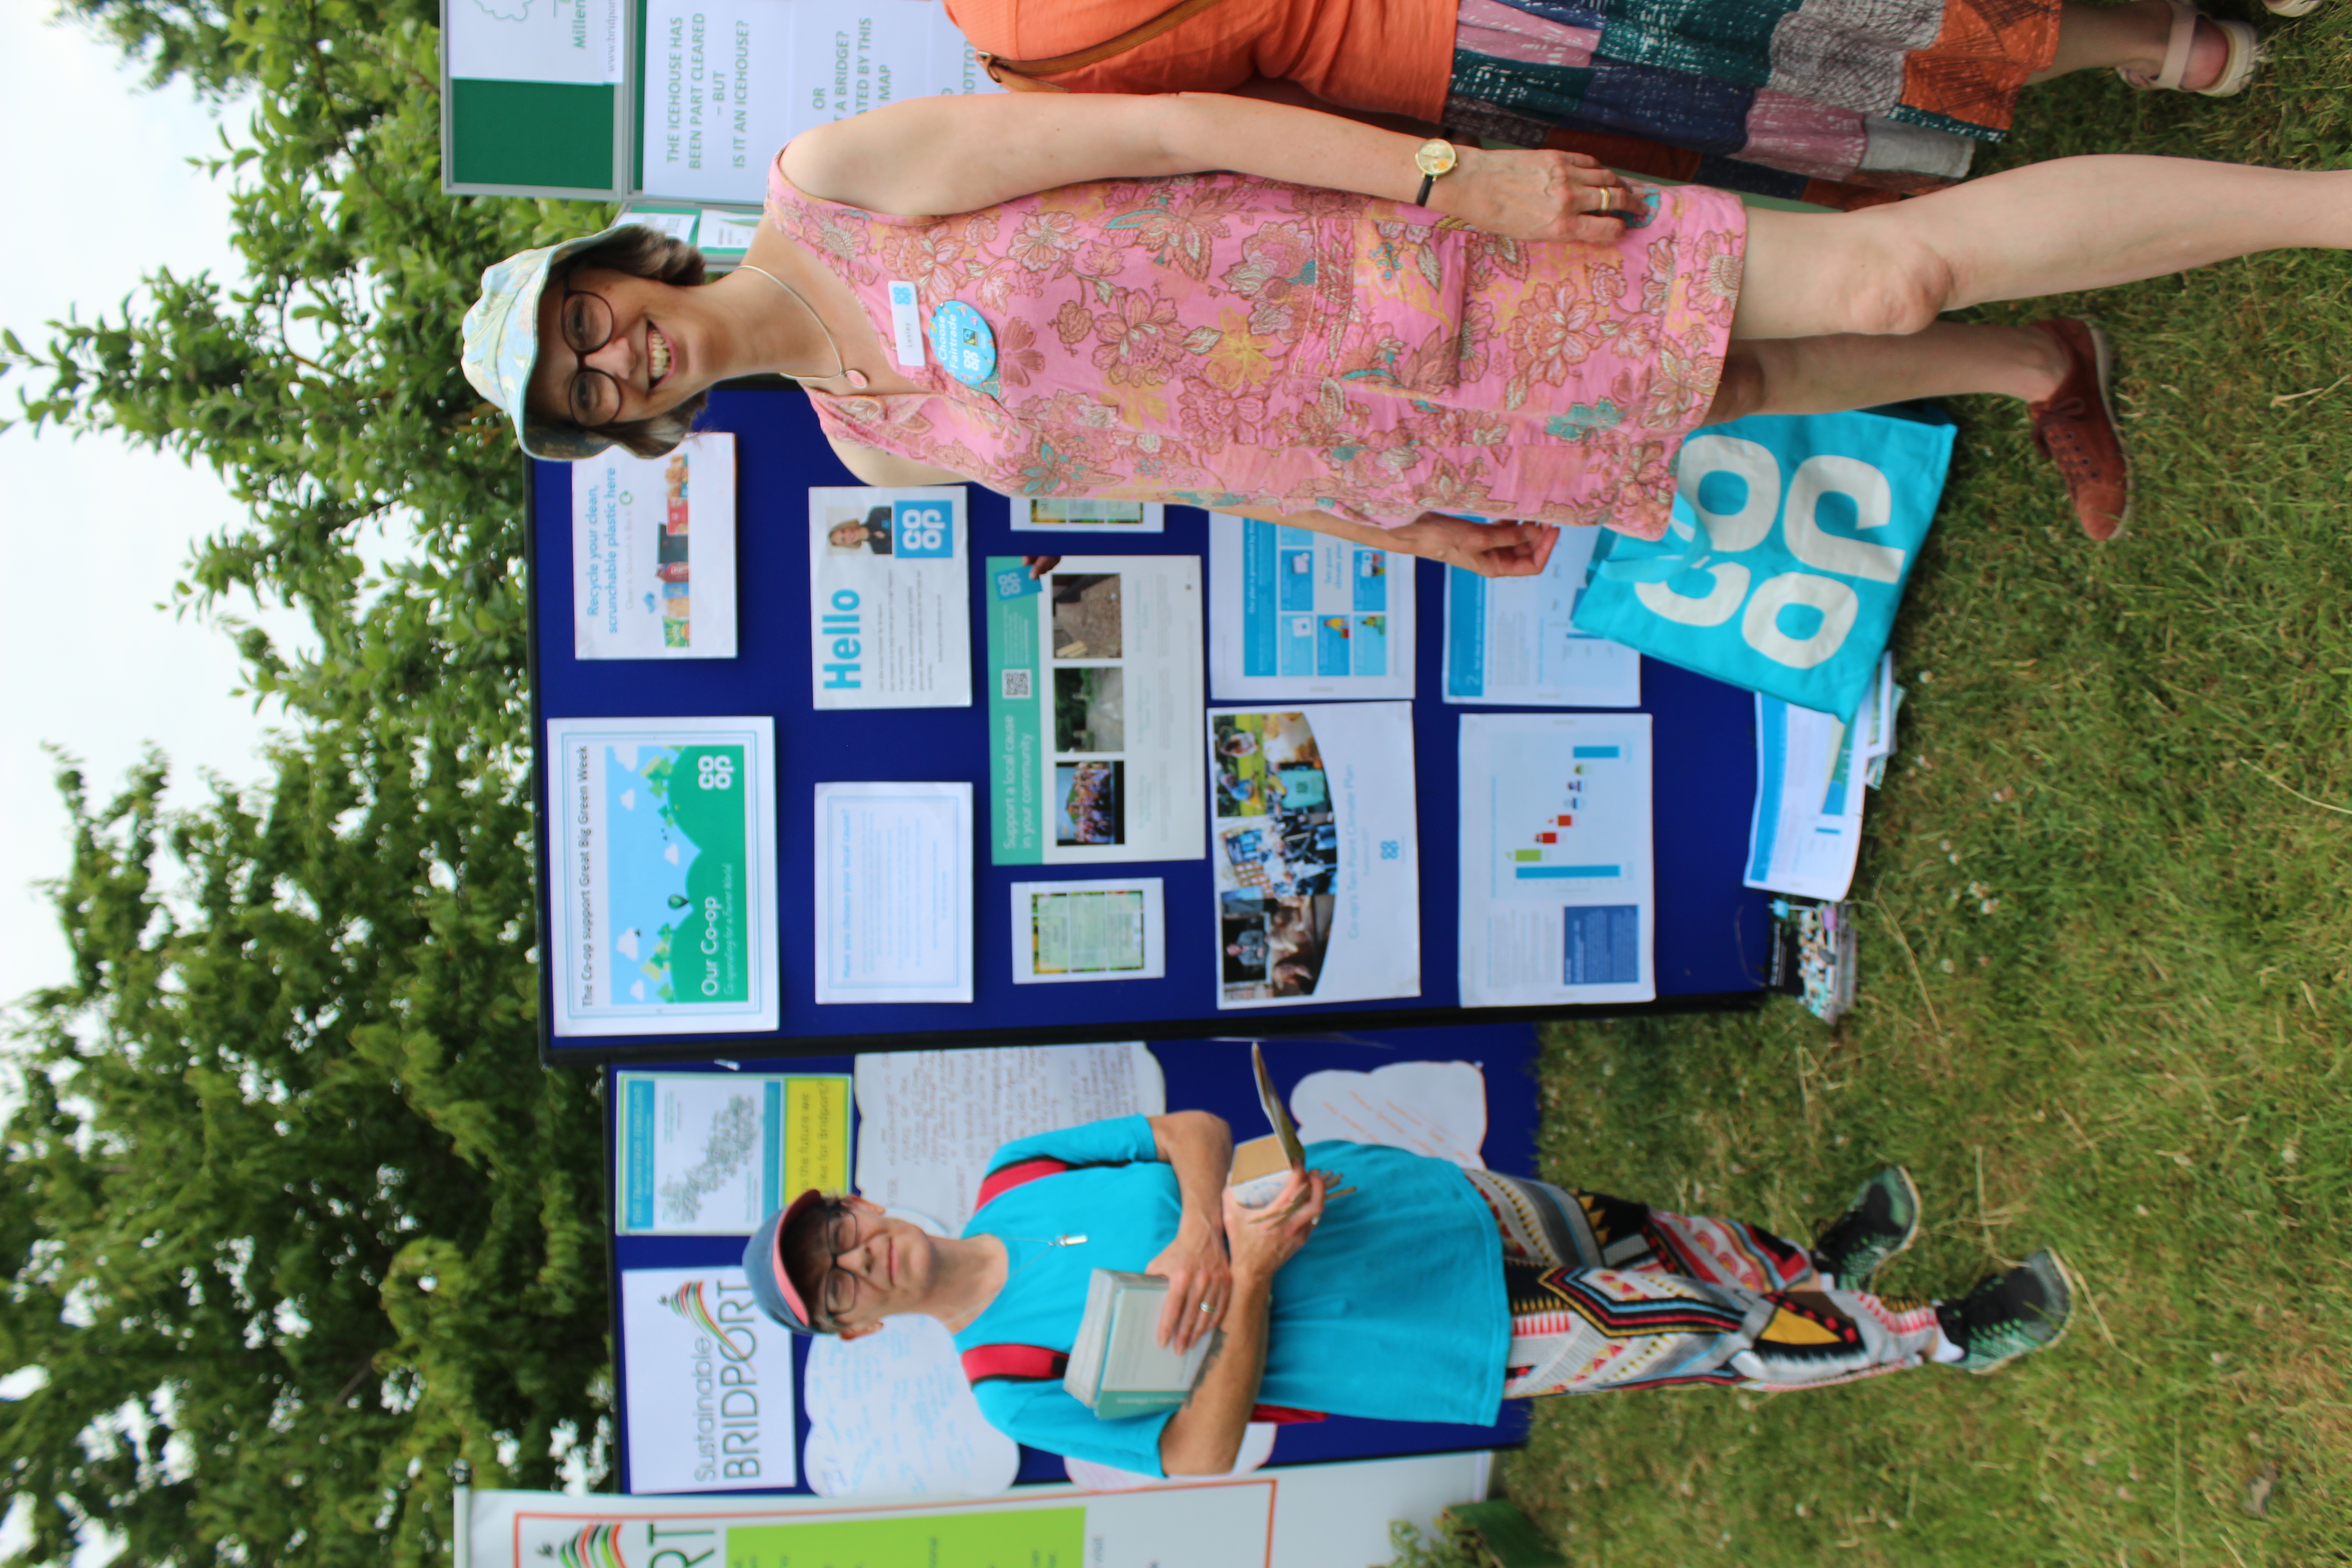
[
  {"x": 1113, "y": 929},
  {"x": 1806, "y": 833},
  {"x": 653, "y": 552},
  {"x": 894, "y": 892},
  {"x": 889, "y": 604},
  {"x": 1314, "y": 851},
  {"x": 931, "y": 1120},
  {"x": 664, "y": 859},
  {"x": 1557, "y": 898},
  {"x": 1295, "y": 615},
  {"x": 1041, "y": 514},
  {"x": 725, "y": 230},
  {"x": 1511, "y": 639},
  {"x": 713, "y": 1153},
  {"x": 506, "y": 40},
  {"x": 891, "y": 1415},
  {"x": 1438, "y": 1109},
  {"x": 709, "y": 1384},
  {"x": 677, "y": 224}
]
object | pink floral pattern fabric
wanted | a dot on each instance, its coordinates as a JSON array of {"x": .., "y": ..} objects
[{"x": 1220, "y": 340}]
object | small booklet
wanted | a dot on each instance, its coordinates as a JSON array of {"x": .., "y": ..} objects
[{"x": 1119, "y": 1367}]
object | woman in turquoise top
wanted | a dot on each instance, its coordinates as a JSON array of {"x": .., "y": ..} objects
[{"x": 1421, "y": 1291}]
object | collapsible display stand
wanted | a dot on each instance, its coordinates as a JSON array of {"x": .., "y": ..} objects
[
  {"x": 1710, "y": 941},
  {"x": 1213, "y": 1076}
]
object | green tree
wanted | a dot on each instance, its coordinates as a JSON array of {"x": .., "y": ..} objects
[{"x": 291, "y": 1216}]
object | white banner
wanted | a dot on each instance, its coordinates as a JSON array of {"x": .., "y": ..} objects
[{"x": 1308, "y": 1516}]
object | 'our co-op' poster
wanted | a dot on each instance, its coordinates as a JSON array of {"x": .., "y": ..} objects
[{"x": 663, "y": 861}]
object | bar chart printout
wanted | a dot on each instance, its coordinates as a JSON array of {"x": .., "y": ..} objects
[{"x": 1557, "y": 899}]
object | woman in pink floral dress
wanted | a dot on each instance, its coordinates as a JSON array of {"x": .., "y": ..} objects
[{"x": 1297, "y": 340}]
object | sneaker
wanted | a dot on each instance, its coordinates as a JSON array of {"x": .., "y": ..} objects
[
  {"x": 2007, "y": 1316},
  {"x": 2074, "y": 427},
  {"x": 1882, "y": 1222}
]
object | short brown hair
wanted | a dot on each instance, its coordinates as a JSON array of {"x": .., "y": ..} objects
[{"x": 647, "y": 253}]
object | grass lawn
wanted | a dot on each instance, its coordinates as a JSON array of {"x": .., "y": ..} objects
[{"x": 2107, "y": 984}]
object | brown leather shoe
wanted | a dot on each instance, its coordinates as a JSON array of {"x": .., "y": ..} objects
[{"x": 2076, "y": 428}]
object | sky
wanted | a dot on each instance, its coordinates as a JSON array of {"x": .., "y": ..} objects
[{"x": 95, "y": 661}]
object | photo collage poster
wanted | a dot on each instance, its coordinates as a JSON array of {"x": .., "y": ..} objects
[{"x": 1314, "y": 854}]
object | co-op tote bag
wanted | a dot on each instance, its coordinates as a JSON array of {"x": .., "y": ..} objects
[{"x": 1785, "y": 559}]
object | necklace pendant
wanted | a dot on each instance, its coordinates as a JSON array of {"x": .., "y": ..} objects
[
  {"x": 1070, "y": 1241},
  {"x": 858, "y": 381}
]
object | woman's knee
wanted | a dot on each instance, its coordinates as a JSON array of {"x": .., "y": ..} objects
[
  {"x": 1741, "y": 391},
  {"x": 1897, "y": 288}
]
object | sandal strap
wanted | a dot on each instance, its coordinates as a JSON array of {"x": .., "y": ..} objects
[{"x": 2178, "y": 44}]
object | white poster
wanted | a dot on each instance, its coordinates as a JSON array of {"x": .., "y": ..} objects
[
  {"x": 929, "y": 1121},
  {"x": 894, "y": 892},
  {"x": 1556, "y": 897},
  {"x": 1298, "y": 614},
  {"x": 663, "y": 865},
  {"x": 1306, "y": 1516},
  {"x": 1316, "y": 865},
  {"x": 1094, "y": 704},
  {"x": 1083, "y": 514},
  {"x": 653, "y": 552},
  {"x": 534, "y": 40},
  {"x": 709, "y": 1383},
  {"x": 714, "y": 1153},
  {"x": 889, "y": 603},
  {"x": 890, "y": 1415},
  {"x": 1115, "y": 928},
  {"x": 1511, "y": 639},
  {"x": 729, "y": 82},
  {"x": 1805, "y": 836}
]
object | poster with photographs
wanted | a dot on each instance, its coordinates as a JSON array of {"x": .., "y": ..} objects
[
  {"x": 1312, "y": 844},
  {"x": 1094, "y": 696},
  {"x": 889, "y": 608},
  {"x": 653, "y": 552},
  {"x": 1081, "y": 514},
  {"x": 1302, "y": 616}
]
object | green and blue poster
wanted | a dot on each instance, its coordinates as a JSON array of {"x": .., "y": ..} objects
[{"x": 663, "y": 860}]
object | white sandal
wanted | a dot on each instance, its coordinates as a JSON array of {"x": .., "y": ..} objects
[
  {"x": 2291, "y": 7},
  {"x": 2237, "y": 68}
]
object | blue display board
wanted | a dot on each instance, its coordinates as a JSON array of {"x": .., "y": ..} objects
[
  {"x": 1210, "y": 1075},
  {"x": 1710, "y": 930}
]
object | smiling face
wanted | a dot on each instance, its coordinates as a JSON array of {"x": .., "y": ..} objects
[
  {"x": 653, "y": 339},
  {"x": 856, "y": 1266}
]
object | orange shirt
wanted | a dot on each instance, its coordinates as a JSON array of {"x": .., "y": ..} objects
[{"x": 1391, "y": 56}]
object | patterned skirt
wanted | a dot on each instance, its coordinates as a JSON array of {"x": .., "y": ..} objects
[
  {"x": 1608, "y": 1294},
  {"x": 1842, "y": 102}
]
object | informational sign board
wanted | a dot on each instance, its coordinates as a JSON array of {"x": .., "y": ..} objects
[{"x": 678, "y": 99}]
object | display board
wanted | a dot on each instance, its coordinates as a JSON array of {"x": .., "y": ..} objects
[
  {"x": 1217, "y": 869},
  {"x": 608, "y": 99},
  {"x": 714, "y": 1398}
]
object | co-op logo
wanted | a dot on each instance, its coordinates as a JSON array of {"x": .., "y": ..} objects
[{"x": 1745, "y": 478}]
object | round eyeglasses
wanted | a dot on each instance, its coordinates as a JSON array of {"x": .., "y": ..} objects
[{"x": 585, "y": 322}]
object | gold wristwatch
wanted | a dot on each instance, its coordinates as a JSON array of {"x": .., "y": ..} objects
[{"x": 1434, "y": 157}]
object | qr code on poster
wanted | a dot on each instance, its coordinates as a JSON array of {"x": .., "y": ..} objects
[{"x": 1016, "y": 684}]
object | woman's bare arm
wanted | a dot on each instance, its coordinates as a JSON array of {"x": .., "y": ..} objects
[
  {"x": 1489, "y": 549},
  {"x": 932, "y": 156}
]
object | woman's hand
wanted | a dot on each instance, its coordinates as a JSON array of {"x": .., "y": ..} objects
[
  {"x": 1200, "y": 1283},
  {"x": 1535, "y": 194},
  {"x": 1489, "y": 549},
  {"x": 1264, "y": 1239}
]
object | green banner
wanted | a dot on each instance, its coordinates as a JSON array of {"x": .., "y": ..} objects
[{"x": 1016, "y": 704}]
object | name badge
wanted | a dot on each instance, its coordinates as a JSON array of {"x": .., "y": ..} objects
[{"x": 906, "y": 326}]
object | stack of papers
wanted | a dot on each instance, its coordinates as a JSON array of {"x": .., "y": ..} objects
[
  {"x": 1119, "y": 1367},
  {"x": 1811, "y": 770}
]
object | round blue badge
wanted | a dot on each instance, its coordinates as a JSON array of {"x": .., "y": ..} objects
[{"x": 962, "y": 340}]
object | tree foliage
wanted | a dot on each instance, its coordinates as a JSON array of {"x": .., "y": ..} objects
[{"x": 291, "y": 1216}]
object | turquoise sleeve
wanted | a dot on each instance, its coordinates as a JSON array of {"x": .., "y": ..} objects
[
  {"x": 1043, "y": 1415},
  {"x": 1121, "y": 1140}
]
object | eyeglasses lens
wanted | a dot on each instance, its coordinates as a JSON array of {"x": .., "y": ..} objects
[
  {"x": 840, "y": 1236},
  {"x": 587, "y": 325}
]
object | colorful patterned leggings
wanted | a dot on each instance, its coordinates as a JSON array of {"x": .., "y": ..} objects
[{"x": 1608, "y": 1294}]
